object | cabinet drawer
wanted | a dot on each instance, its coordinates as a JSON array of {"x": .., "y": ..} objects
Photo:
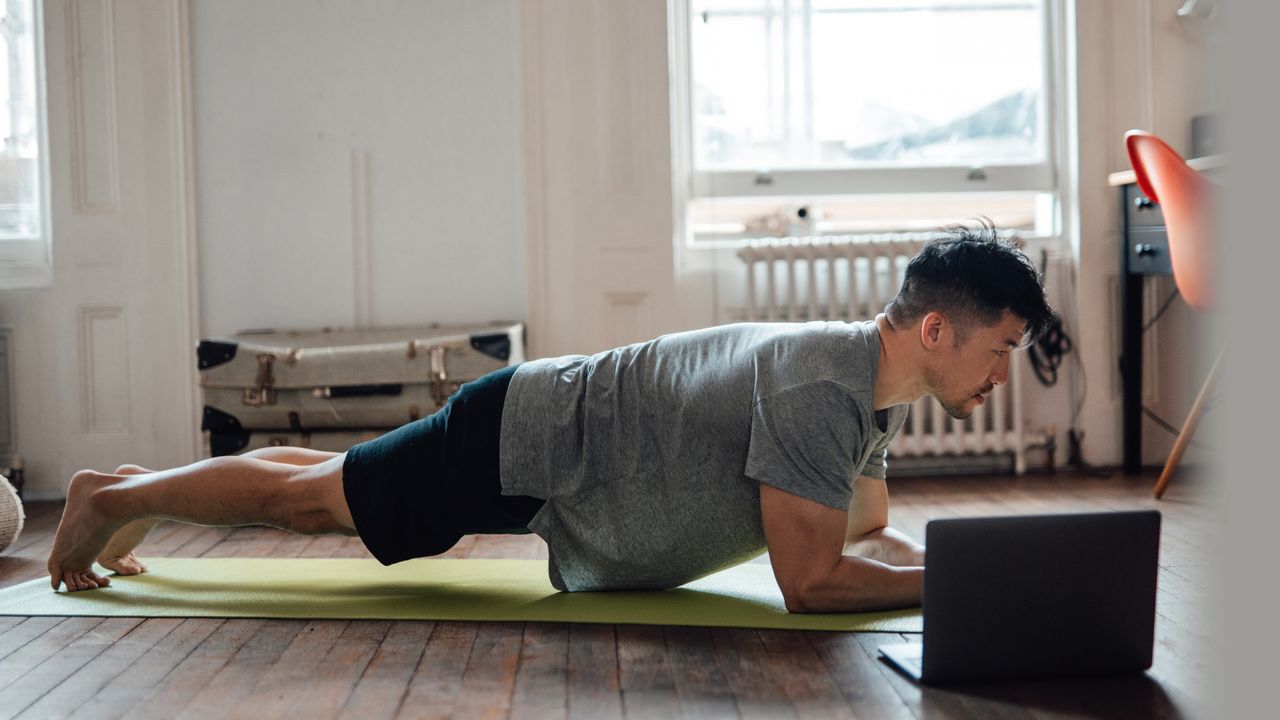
[
  {"x": 1148, "y": 251},
  {"x": 1139, "y": 209}
]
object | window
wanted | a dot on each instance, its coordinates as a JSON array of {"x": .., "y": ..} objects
[
  {"x": 799, "y": 110},
  {"x": 24, "y": 251}
]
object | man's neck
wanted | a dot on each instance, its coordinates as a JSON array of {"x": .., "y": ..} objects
[{"x": 898, "y": 376}]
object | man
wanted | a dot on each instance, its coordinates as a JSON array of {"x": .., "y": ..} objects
[{"x": 646, "y": 466}]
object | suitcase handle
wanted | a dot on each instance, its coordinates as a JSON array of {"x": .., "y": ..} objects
[{"x": 350, "y": 391}]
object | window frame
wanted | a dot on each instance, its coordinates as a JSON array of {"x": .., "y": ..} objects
[
  {"x": 698, "y": 184},
  {"x": 26, "y": 261}
]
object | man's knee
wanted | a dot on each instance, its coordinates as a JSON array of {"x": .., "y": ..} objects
[
  {"x": 315, "y": 502},
  {"x": 129, "y": 469}
]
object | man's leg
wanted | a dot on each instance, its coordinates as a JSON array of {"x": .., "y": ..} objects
[
  {"x": 118, "y": 554},
  {"x": 223, "y": 491},
  {"x": 291, "y": 455}
]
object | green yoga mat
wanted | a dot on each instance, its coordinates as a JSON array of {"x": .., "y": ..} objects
[{"x": 742, "y": 596}]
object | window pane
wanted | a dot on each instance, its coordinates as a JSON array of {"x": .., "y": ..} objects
[
  {"x": 732, "y": 98},
  {"x": 847, "y": 84},
  {"x": 19, "y": 128}
]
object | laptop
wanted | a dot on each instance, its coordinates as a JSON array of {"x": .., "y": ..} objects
[{"x": 1036, "y": 597}]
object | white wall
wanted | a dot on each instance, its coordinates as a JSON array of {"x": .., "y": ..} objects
[{"x": 357, "y": 162}]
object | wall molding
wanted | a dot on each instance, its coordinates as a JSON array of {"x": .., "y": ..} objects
[
  {"x": 8, "y": 419},
  {"x": 537, "y": 252},
  {"x": 618, "y": 159},
  {"x": 185, "y": 212},
  {"x": 361, "y": 239},
  {"x": 629, "y": 315},
  {"x": 82, "y": 203},
  {"x": 1145, "y": 46},
  {"x": 104, "y": 415}
]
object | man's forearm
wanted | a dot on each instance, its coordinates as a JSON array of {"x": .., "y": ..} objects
[
  {"x": 887, "y": 546},
  {"x": 857, "y": 584}
]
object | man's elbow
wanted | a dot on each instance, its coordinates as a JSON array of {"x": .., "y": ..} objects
[
  {"x": 808, "y": 597},
  {"x": 794, "y": 602},
  {"x": 796, "y": 596}
]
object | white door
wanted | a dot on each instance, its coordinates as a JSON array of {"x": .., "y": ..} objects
[
  {"x": 601, "y": 269},
  {"x": 104, "y": 360}
]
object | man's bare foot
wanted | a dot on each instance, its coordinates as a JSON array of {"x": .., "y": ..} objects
[
  {"x": 118, "y": 555},
  {"x": 82, "y": 534}
]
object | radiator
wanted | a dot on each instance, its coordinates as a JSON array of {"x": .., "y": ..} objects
[{"x": 853, "y": 278}]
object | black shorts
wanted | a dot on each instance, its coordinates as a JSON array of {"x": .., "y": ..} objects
[{"x": 417, "y": 490}]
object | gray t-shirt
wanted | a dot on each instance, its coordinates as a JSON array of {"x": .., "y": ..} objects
[{"x": 650, "y": 456}]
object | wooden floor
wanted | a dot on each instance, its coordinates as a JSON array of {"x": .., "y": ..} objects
[{"x": 106, "y": 668}]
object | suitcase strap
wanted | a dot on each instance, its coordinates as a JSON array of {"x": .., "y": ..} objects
[{"x": 264, "y": 393}]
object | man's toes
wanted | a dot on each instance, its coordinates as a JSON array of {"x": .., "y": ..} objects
[
  {"x": 125, "y": 565},
  {"x": 84, "y": 580}
]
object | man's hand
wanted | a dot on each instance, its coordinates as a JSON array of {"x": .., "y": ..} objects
[
  {"x": 805, "y": 539},
  {"x": 887, "y": 546}
]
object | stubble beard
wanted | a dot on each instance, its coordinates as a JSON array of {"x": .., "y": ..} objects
[{"x": 956, "y": 410}]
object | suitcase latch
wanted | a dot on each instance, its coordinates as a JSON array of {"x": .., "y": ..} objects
[
  {"x": 438, "y": 376},
  {"x": 264, "y": 392}
]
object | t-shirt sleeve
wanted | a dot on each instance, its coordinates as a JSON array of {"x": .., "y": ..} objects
[
  {"x": 806, "y": 441},
  {"x": 878, "y": 463}
]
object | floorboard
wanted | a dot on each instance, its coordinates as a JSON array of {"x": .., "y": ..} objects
[
  {"x": 700, "y": 684},
  {"x": 594, "y": 687},
  {"x": 202, "y": 667},
  {"x": 541, "y": 690},
  {"x": 381, "y": 688}
]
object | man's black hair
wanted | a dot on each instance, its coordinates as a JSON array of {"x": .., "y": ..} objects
[{"x": 972, "y": 276}]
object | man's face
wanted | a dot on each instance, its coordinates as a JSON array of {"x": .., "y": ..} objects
[{"x": 963, "y": 377}]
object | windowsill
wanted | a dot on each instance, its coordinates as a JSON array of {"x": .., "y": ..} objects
[{"x": 726, "y": 241}]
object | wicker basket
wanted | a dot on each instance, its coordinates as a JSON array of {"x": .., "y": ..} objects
[{"x": 11, "y": 516}]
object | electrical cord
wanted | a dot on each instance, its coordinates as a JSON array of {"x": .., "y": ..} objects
[
  {"x": 1165, "y": 306},
  {"x": 1048, "y": 353},
  {"x": 1161, "y": 422}
]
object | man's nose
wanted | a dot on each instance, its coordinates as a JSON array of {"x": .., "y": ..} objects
[{"x": 1000, "y": 375}]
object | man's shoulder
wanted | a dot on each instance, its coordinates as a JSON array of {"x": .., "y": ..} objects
[{"x": 837, "y": 354}]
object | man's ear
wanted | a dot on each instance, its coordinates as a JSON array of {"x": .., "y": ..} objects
[{"x": 933, "y": 329}]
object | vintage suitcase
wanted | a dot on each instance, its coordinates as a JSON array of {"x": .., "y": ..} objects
[
  {"x": 234, "y": 443},
  {"x": 330, "y": 379}
]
